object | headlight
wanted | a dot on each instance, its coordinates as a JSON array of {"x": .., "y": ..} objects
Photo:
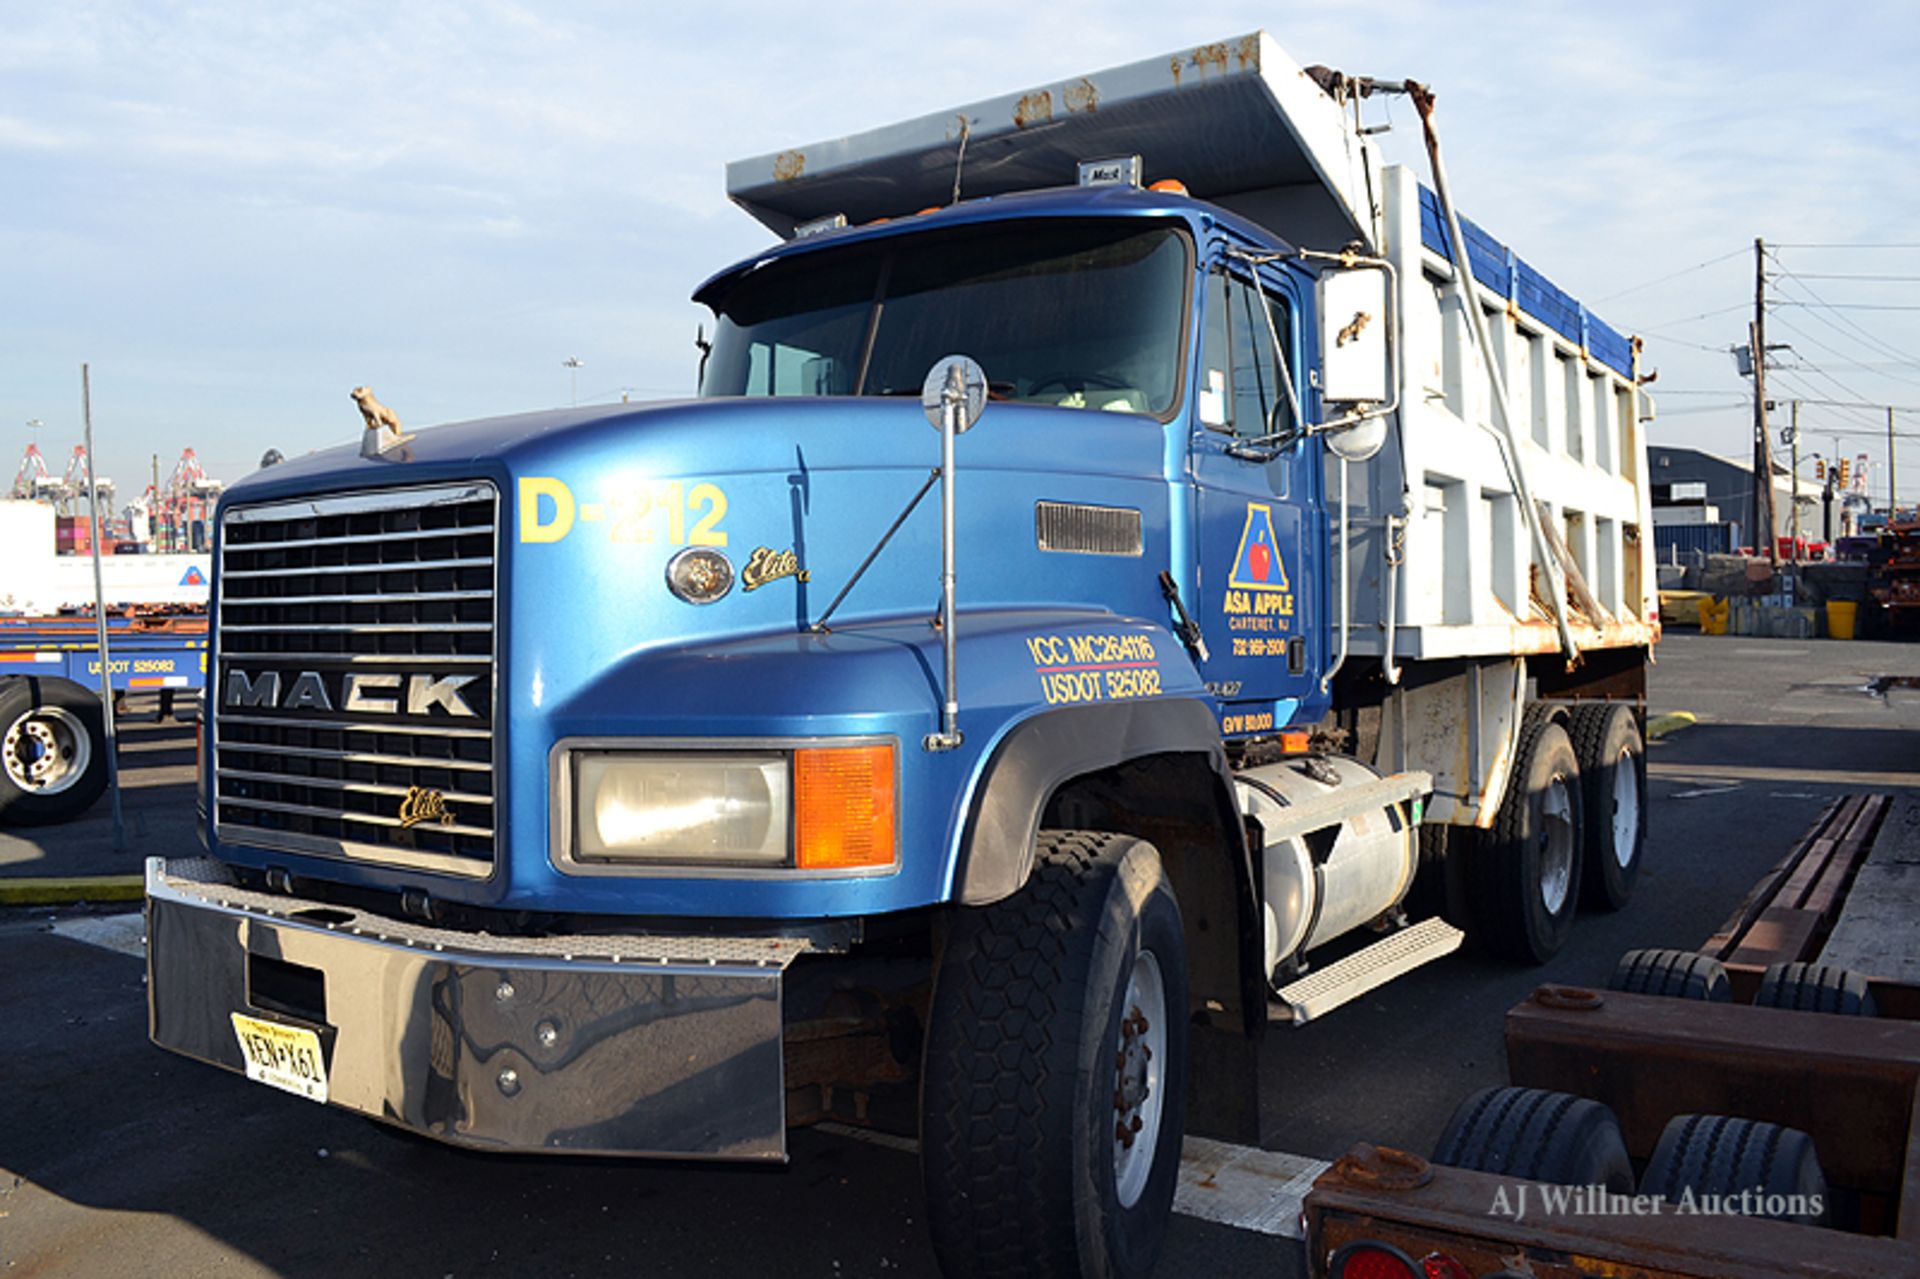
[
  {"x": 829, "y": 809},
  {"x": 706, "y": 807}
]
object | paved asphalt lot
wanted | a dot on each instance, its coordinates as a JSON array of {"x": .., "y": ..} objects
[{"x": 116, "y": 1158}]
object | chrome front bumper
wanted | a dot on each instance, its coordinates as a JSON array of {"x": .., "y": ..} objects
[{"x": 644, "y": 1045}]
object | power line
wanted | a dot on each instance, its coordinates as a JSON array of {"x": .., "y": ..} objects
[
  {"x": 1809, "y": 395},
  {"x": 1878, "y": 370},
  {"x": 1703, "y": 408},
  {"x": 1667, "y": 337},
  {"x": 1883, "y": 347},
  {"x": 1854, "y": 306},
  {"x": 1874, "y": 405},
  {"x": 1704, "y": 315},
  {"x": 1872, "y": 279},
  {"x": 1896, "y": 245},
  {"x": 1739, "y": 252}
]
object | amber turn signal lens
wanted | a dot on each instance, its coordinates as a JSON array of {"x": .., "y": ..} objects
[{"x": 843, "y": 804}]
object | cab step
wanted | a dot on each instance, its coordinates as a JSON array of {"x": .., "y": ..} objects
[{"x": 1324, "y": 990}]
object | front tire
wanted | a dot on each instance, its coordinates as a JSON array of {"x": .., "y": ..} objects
[
  {"x": 1053, "y": 1096},
  {"x": 53, "y": 755}
]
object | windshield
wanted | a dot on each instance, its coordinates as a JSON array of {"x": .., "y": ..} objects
[{"x": 1086, "y": 314}]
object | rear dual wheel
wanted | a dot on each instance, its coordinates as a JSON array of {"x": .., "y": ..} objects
[
  {"x": 1527, "y": 868},
  {"x": 1613, "y": 772}
]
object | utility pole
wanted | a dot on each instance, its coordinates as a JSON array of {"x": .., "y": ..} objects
[
  {"x": 1793, "y": 433},
  {"x": 1762, "y": 453},
  {"x": 1893, "y": 493}
]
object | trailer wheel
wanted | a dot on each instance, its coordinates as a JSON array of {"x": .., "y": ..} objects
[
  {"x": 1815, "y": 988},
  {"x": 1053, "y": 1094},
  {"x": 1613, "y": 772},
  {"x": 1756, "y": 1169},
  {"x": 53, "y": 759},
  {"x": 1543, "y": 1136},
  {"x": 1526, "y": 870},
  {"x": 1675, "y": 974}
]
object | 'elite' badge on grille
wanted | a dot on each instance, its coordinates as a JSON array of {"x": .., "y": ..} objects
[{"x": 423, "y": 805}]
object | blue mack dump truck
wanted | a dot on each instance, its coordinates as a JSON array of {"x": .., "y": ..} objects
[{"x": 647, "y": 780}]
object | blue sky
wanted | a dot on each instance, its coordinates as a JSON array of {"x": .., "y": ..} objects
[{"x": 239, "y": 211}]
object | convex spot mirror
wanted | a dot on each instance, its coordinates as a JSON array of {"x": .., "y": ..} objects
[
  {"x": 966, "y": 379},
  {"x": 1358, "y": 442}
]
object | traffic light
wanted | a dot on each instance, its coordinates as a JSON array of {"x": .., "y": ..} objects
[
  {"x": 1820, "y": 469},
  {"x": 1844, "y": 466}
]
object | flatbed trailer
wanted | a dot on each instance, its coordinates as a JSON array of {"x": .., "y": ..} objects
[
  {"x": 1849, "y": 1082},
  {"x": 53, "y": 762}
]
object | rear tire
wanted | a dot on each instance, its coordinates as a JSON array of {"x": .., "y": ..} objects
[
  {"x": 53, "y": 755},
  {"x": 1815, "y": 988},
  {"x": 1526, "y": 870},
  {"x": 1700, "y": 1155},
  {"x": 1539, "y": 1135},
  {"x": 1613, "y": 774},
  {"x": 1053, "y": 1093},
  {"x": 1674, "y": 974}
]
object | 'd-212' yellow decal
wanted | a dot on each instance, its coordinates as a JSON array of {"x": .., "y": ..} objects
[{"x": 669, "y": 512}]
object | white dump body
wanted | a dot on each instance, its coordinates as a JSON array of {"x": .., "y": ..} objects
[
  {"x": 1466, "y": 582},
  {"x": 1440, "y": 555}
]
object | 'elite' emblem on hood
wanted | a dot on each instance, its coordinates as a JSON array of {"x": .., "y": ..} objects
[{"x": 768, "y": 565}]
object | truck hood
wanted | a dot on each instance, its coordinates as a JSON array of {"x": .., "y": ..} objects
[
  {"x": 594, "y": 503},
  {"x": 727, "y": 436}
]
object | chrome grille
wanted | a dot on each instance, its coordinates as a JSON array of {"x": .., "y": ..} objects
[{"x": 356, "y": 646}]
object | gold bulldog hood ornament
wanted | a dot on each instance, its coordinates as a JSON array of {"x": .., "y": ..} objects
[{"x": 383, "y": 433}]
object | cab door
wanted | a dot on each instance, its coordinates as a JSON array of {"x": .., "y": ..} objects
[{"x": 1257, "y": 504}]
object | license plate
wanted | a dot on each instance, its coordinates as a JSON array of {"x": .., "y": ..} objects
[{"x": 284, "y": 1057}]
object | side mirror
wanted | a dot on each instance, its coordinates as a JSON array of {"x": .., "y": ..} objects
[{"x": 1354, "y": 337}]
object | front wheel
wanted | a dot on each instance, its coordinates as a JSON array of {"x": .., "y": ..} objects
[{"x": 1053, "y": 1098}]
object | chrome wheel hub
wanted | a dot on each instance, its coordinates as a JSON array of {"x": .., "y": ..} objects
[
  {"x": 1626, "y": 808},
  {"x": 1556, "y": 845},
  {"x": 46, "y": 750},
  {"x": 1139, "y": 1063}
]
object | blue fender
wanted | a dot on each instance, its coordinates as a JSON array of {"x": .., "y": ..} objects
[{"x": 1044, "y": 696}]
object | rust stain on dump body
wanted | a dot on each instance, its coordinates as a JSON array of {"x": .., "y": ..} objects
[
  {"x": 1081, "y": 96},
  {"x": 1209, "y": 56},
  {"x": 1033, "y": 108},
  {"x": 789, "y": 165},
  {"x": 1248, "y": 52}
]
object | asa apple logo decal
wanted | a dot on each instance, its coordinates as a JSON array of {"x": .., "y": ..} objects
[{"x": 1259, "y": 560}]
